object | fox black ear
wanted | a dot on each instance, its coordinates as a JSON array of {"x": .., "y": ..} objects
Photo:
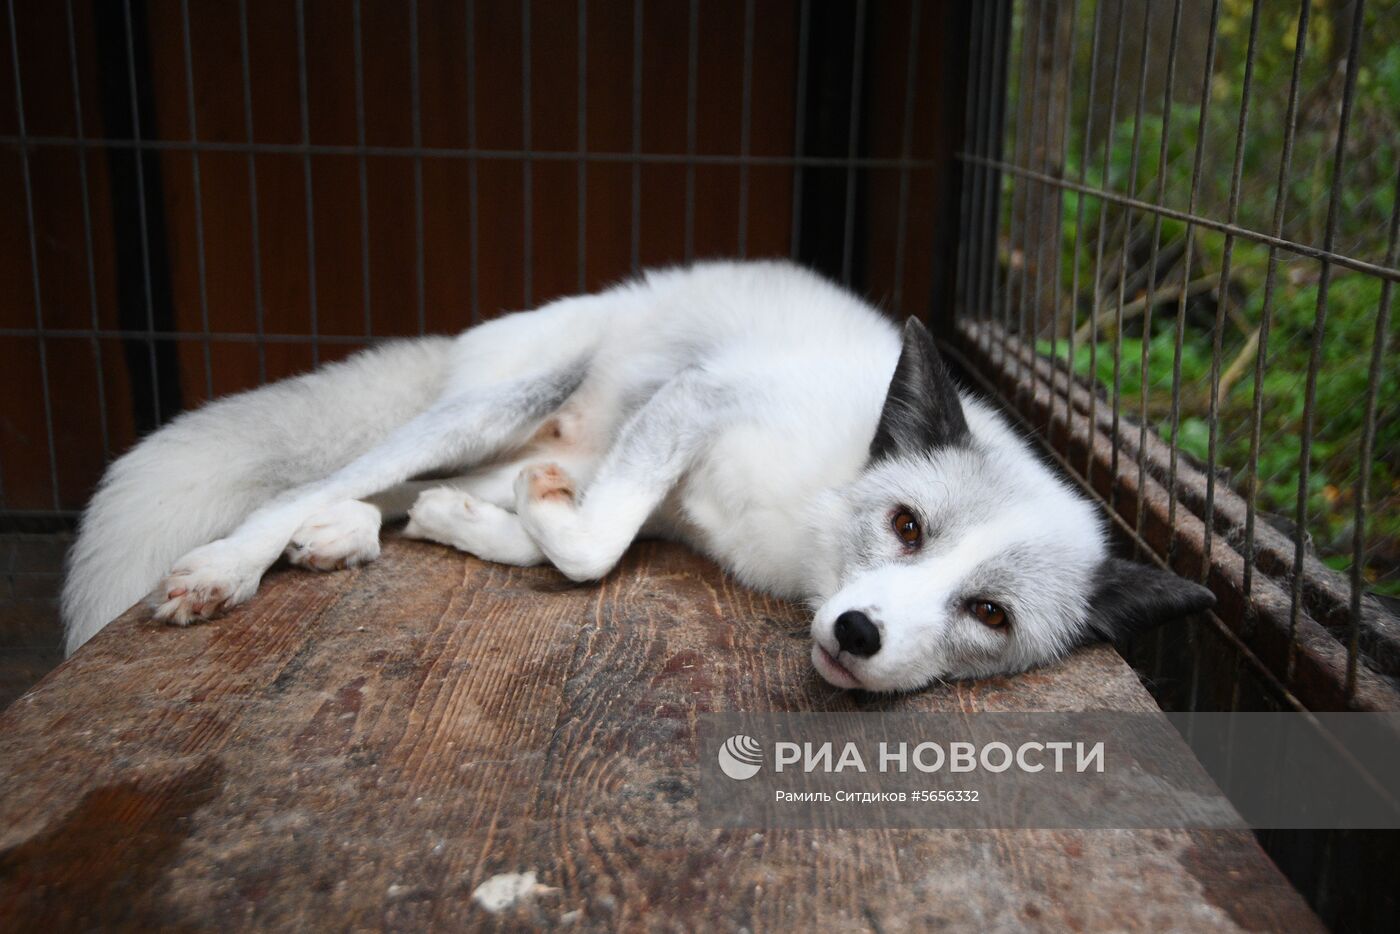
[
  {"x": 1130, "y": 598},
  {"x": 922, "y": 408}
]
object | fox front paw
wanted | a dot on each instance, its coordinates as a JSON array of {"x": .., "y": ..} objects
[
  {"x": 203, "y": 584},
  {"x": 343, "y": 536}
]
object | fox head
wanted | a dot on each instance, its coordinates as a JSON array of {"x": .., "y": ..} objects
[{"x": 959, "y": 554}]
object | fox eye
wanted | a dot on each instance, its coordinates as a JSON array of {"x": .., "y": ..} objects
[
  {"x": 987, "y": 613},
  {"x": 907, "y": 527}
]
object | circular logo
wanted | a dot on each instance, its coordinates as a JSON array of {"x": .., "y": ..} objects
[{"x": 740, "y": 757}]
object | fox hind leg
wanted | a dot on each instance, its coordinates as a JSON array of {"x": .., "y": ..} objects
[
  {"x": 456, "y": 430},
  {"x": 583, "y": 531}
]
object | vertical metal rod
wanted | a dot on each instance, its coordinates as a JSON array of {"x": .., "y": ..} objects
[
  {"x": 1290, "y": 126},
  {"x": 473, "y": 202},
  {"x": 1197, "y": 166},
  {"x": 527, "y": 181},
  {"x": 1011, "y": 78},
  {"x": 1096, "y": 303},
  {"x": 1079, "y": 213},
  {"x": 800, "y": 125},
  {"x": 692, "y": 92},
  {"x": 992, "y": 94},
  {"x": 1040, "y": 190},
  {"x": 972, "y": 128},
  {"x": 255, "y": 223},
  {"x": 997, "y": 86},
  {"x": 137, "y": 137},
  {"x": 1368, "y": 441},
  {"x": 636, "y": 135},
  {"x": 1026, "y": 127},
  {"x": 1202, "y": 125},
  {"x": 582, "y": 145},
  {"x": 1131, "y": 188},
  {"x": 1058, "y": 239},
  {"x": 360, "y": 142},
  {"x": 853, "y": 144},
  {"x": 1223, "y": 293},
  {"x": 88, "y": 253},
  {"x": 416, "y": 128},
  {"x": 906, "y": 145},
  {"x": 1223, "y": 297},
  {"x": 305, "y": 106},
  {"x": 745, "y": 119},
  {"x": 984, "y": 106},
  {"x": 202, "y": 269},
  {"x": 21, "y": 126},
  {"x": 1324, "y": 284},
  {"x": 1149, "y": 297},
  {"x": 1044, "y": 196}
]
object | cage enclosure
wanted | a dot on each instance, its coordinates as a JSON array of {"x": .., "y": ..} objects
[{"x": 1164, "y": 237}]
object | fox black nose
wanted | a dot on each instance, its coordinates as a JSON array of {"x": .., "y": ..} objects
[{"x": 855, "y": 633}]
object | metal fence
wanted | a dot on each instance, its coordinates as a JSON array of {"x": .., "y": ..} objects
[
  {"x": 1180, "y": 358},
  {"x": 204, "y": 196},
  {"x": 1178, "y": 258}
]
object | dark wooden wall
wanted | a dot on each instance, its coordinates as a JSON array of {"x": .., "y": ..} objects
[{"x": 157, "y": 286}]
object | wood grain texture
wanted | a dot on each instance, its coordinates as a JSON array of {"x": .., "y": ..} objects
[{"x": 364, "y": 749}]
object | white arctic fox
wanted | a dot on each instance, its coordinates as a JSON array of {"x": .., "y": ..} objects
[{"x": 753, "y": 411}]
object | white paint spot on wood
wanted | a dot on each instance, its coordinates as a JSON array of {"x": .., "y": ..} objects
[{"x": 501, "y": 891}]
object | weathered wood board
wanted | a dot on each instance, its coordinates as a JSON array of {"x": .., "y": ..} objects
[{"x": 364, "y": 749}]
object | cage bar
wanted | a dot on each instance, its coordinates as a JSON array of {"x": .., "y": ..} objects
[
  {"x": 1079, "y": 209},
  {"x": 473, "y": 182},
  {"x": 1366, "y": 452},
  {"x": 89, "y": 257},
  {"x": 527, "y": 179},
  {"x": 416, "y": 129},
  {"x": 636, "y": 135},
  {"x": 1223, "y": 293},
  {"x": 196, "y": 180},
  {"x": 143, "y": 227},
  {"x": 692, "y": 96},
  {"x": 1154, "y": 254},
  {"x": 245, "y": 60},
  {"x": 1095, "y": 309},
  {"x": 1329, "y": 239},
  {"x": 1266, "y": 313},
  {"x": 583, "y": 145},
  {"x": 906, "y": 143},
  {"x": 800, "y": 124},
  {"x": 361, "y": 152},
  {"x": 745, "y": 129},
  {"x": 848, "y": 240},
  {"x": 304, "y": 105},
  {"x": 32, "y": 230}
]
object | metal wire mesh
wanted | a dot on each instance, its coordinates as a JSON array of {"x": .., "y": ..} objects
[
  {"x": 262, "y": 187},
  {"x": 1181, "y": 234},
  {"x": 1178, "y": 258}
]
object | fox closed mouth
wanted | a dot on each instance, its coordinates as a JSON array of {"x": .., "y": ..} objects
[{"x": 831, "y": 669}]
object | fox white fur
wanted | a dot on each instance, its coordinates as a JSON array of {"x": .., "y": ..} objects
[{"x": 753, "y": 411}]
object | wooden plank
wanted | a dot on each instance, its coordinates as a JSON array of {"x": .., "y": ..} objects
[{"x": 365, "y": 749}]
